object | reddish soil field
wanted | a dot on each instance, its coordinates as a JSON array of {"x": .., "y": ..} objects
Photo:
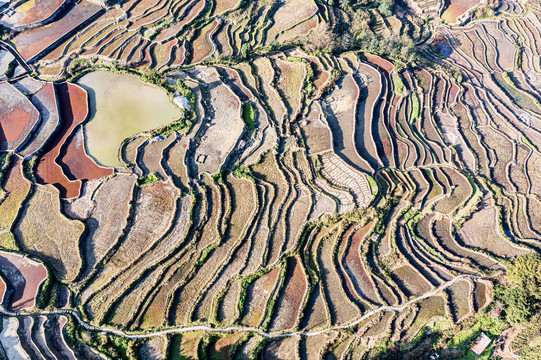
[
  {"x": 33, "y": 42},
  {"x": 169, "y": 32},
  {"x": 147, "y": 59},
  {"x": 202, "y": 46},
  {"x": 256, "y": 297},
  {"x": 73, "y": 107},
  {"x": 138, "y": 8},
  {"x": 453, "y": 92},
  {"x": 148, "y": 19},
  {"x": 164, "y": 52},
  {"x": 456, "y": 8},
  {"x": 24, "y": 276},
  {"x": 234, "y": 77},
  {"x": 224, "y": 5},
  {"x": 34, "y": 11},
  {"x": 179, "y": 54},
  {"x": 355, "y": 265},
  {"x": 173, "y": 30},
  {"x": 320, "y": 77},
  {"x": 45, "y": 102},
  {"x": 77, "y": 164},
  {"x": 382, "y": 63},
  {"x": 290, "y": 302},
  {"x": 221, "y": 348},
  {"x": 17, "y": 117},
  {"x": 452, "y": 13}
]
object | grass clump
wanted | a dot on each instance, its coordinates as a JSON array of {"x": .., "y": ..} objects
[{"x": 248, "y": 115}]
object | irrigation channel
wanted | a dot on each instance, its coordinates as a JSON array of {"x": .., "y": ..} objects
[{"x": 243, "y": 329}]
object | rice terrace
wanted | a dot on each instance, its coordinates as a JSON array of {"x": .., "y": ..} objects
[{"x": 270, "y": 179}]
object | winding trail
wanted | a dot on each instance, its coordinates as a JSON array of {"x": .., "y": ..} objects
[{"x": 243, "y": 329}]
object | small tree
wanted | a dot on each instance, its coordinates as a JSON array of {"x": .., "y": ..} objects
[
  {"x": 385, "y": 7},
  {"x": 321, "y": 38},
  {"x": 245, "y": 51},
  {"x": 344, "y": 4},
  {"x": 522, "y": 298}
]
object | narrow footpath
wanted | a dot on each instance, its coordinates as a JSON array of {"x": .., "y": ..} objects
[{"x": 178, "y": 330}]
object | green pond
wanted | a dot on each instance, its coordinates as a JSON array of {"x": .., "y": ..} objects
[{"x": 121, "y": 106}]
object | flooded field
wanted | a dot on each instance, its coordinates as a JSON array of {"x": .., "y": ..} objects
[{"x": 114, "y": 118}]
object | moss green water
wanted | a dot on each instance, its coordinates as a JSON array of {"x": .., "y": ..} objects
[{"x": 121, "y": 106}]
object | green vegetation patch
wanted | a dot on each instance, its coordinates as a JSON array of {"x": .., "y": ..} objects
[
  {"x": 242, "y": 171},
  {"x": 180, "y": 126},
  {"x": 415, "y": 107},
  {"x": 522, "y": 297},
  {"x": 398, "y": 84},
  {"x": 148, "y": 179},
  {"x": 464, "y": 340},
  {"x": 373, "y": 184},
  {"x": 205, "y": 254},
  {"x": 248, "y": 115},
  {"x": 529, "y": 143}
]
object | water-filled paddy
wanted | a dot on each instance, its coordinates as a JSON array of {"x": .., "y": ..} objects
[{"x": 121, "y": 106}]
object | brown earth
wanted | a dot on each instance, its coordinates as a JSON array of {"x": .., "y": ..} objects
[
  {"x": 73, "y": 107},
  {"x": 24, "y": 276},
  {"x": 33, "y": 42},
  {"x": 78, "y": 165},
  {"x": 17, "y": 117}
]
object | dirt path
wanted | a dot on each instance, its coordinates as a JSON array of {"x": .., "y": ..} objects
[
  {"x": 503, "y": 347},
  {"x": 242, "y": 329}
]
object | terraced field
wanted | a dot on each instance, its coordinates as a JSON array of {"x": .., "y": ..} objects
[{"x": 249, "y": 179}]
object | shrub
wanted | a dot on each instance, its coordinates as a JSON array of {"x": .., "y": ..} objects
[
  {"x": 10, "y": 71},
  {"x": 185, "y": 90},
  {"x": 176, "y": 126},
  {"x": 385, "y": 7},
  {"x": 151, "y": 76},
  {"x": 522, "y": 299},
  {"x": 242, "y": 171},
  {"x": 245, "y": 50},
  {"x": 148, "y": 179}
]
